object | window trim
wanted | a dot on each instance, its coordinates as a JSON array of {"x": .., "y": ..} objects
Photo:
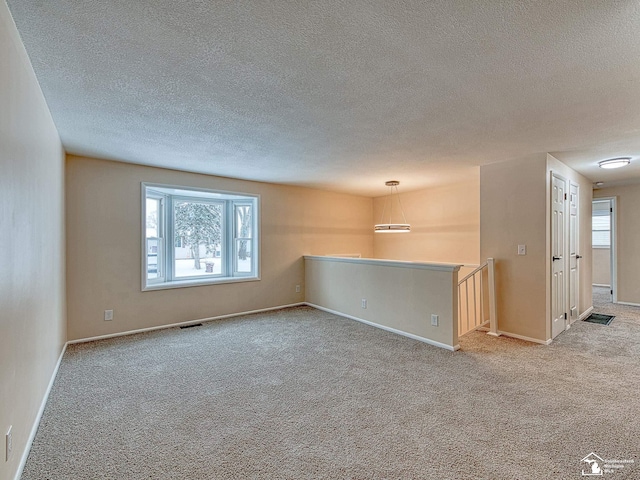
[
  {"x": 160, "y": 247},
  {"x": 227, "y": 240}
]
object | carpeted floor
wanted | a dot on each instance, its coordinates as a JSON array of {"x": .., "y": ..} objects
[{"x": 299, "y": 393}]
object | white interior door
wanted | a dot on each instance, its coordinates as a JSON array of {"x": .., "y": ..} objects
[
  {"x": 574, "y": 256},
  {"x": 558, "y": 288}
]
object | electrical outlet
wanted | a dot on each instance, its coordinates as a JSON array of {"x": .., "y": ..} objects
[
  {"x": 434, "y": 320},
  {"x": 108, "y": 315},
  {"x": 522, "y": 249},
  {"x": 297, "y": 288},
  {"x": 364, "y": 303},
  {"x": 8, "y": 444}
]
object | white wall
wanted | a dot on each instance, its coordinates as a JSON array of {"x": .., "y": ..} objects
[{"x": 32, "y": 257}]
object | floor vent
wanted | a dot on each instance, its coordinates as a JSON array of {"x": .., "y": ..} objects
[{"x": 599, "y": 318}]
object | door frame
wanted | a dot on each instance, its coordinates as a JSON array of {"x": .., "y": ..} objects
[
  {"x": 578, "y": 283},
  {"x": 613, "y": 240}
]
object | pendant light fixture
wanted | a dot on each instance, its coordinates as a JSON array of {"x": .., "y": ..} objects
[{"x": 392, "y": 227}]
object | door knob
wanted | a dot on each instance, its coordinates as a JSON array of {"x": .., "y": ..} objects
[
  {"x": 578, "y": 256},
  {"x": 556, "y": 258}
]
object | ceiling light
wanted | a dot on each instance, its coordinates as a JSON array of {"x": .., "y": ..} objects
[
  {"x": 598, "y": 184},
  {"x": 615, "y": 162},
  {"x": 392, "y": 227}
]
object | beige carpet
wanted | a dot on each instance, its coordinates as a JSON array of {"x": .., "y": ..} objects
[{"x": 299, "y": 393}]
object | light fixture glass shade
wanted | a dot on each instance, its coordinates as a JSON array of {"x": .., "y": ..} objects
[
  {"x": 391, "y": 227},
  {"x": 615, "y": 162}
]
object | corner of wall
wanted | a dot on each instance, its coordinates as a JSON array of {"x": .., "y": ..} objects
[
  {"x": 32, "y": 259},
  {"x": 512, "y": 203}
]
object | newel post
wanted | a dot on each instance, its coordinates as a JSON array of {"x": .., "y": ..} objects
[{"x": 493, "y": 316}]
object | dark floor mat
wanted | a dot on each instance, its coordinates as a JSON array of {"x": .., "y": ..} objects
[{"x": 599, "y": 318}]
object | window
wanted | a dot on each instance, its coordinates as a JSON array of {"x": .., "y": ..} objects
[
  {"x": 195, "y": 237},
  {"x": 601, "y": 224}
]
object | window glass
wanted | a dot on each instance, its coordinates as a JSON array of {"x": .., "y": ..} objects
[
  {"x": 601, "y": 224},
  {"x": 153, "y": 236},
  {"x": 199, "y": 226},
  {"x": 243, "y": 229}
]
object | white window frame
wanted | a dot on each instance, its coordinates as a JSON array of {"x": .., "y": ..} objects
[{"x": 168, "y": 196}]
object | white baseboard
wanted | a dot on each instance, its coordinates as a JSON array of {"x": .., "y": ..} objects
[
  {"x": 526, "y": 339},
  {"x": 181, "y": 324},
  {"x": 631, "y": 304},
  {"x": 600, "y": 285},
  {"x": 585, "y": 314},
  {"x": 36, "y": 422},
  {"x": 388, "y": 329}
]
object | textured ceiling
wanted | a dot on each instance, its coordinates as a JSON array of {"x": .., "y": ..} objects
[{"x": 341, "y": 95}]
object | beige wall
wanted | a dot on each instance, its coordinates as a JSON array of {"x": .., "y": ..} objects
[
  {"x": 628, "y": 239},
  {"x": 32, "y": 285},
  {"x": 399, "y": 297},
  {"x": 104, "y": 253},
  {"x": 445, "y": 225},
  {"x": 512, "y": 213},
  {"x": 515, "y": 210},
  {"x": 601, "y": 266}
]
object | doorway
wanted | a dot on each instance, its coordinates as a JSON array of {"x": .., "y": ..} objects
[{"x": 603, "y": 232}]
